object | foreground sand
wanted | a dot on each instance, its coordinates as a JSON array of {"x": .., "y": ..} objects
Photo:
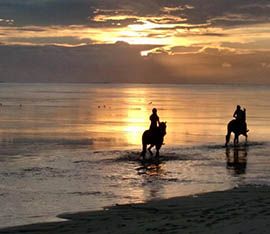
[{"x": 241, "y": 210}]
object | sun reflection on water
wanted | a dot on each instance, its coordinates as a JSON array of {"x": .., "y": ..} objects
[{"x": 135, "y": 124}]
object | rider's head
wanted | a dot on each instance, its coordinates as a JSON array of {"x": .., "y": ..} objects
[
  {"x": 238, "y": 107},
  {"x": 154, "y": 110}
]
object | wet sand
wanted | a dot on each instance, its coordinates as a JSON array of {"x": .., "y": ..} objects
[{"x": 240, "y": 210}]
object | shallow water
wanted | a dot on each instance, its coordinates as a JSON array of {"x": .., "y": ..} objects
[{"x": 68, "y": 148}]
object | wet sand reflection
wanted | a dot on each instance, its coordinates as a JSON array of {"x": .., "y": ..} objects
[{"x": 237, "y": 159}]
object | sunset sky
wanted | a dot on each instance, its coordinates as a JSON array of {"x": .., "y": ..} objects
[{"x": 174, "y": 41}]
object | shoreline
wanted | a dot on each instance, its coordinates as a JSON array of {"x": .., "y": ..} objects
[{"x": 240, "y": 210}]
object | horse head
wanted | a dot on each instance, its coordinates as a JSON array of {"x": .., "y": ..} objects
[{"x": 162, "y": 127}]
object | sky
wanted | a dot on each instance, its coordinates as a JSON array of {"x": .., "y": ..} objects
[{"x": 151, "y": 41}]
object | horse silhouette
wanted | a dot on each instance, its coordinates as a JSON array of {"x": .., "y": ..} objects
[
  {"x": 153, "y": 138},
  {"x": 238, "y": 128}
]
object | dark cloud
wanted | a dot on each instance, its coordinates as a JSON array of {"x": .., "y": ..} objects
[
  {"x": 225, "y": 12},
  {"x": 45, "y": 12},
  {"x": 82, "y": 12},
  {"x": 51, "y": 40},
  {"x": 122, "y": 63},
  {"x": 113, "y": 23},
  {"x": 68, "y": 12},
  {"x": 183, "y": 49},
  {"x": 207, "y": 34},
  {"x": 31, "y": 29}
]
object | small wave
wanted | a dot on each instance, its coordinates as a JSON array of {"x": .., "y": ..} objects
[
  {"x": 47, "y": 171},
  {"x": 94, "y": 193},
  {"x": 36, "y": 171},
  {"x": 128, "y": 156},
  {"x": 104, "y": 139},
  {"x": 168, "y": 154},
  {"x": 221, "y": 146},
  {"x": 83, "y": 161},
  {"x": 165, "y": 156},
  {"x": 49, "y": 141},
  {"x": 182, "y": 153},
  {"x": 256, "y": 143},
  {"x": 248, "y": 144}
]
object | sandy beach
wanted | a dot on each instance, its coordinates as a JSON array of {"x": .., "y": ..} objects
[{"x": 240, "y": 210}]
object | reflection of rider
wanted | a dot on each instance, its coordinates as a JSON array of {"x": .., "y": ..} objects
[
  {"x": 240, "y": 115},
  {"x": 154, "y": 120}
]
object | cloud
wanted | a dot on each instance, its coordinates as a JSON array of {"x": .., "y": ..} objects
[
  {"x": 227, "y": 12},
  {"x": 65, "y": 41},
  {"x": 262, "y": 44},
  {"x": 6, "y": 21},
  {"x": 121, "y": 62},
  {"x": 82, "y": 12},
  {"x": 186, "y": 50},
  {"x": 45, "y": 12},
  {"x": 168, "y": 9}
]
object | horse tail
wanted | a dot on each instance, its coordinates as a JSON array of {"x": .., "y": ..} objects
[
  {"x": 229, "y": 131},
  {"x": 144, "y": 144}
]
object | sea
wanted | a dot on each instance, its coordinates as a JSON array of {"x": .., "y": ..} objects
[{"x": 67, "y": 148}]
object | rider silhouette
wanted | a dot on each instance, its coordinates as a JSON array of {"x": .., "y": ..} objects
[
  {"x": 240, "y": 115},
  {"x": 154, "y": 120}
]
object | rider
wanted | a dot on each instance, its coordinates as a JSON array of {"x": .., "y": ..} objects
[
  {"x": 240, "y": 115},
  {"x": 154, "y": 120}
]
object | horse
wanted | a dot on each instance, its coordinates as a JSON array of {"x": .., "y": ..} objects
[
  {"x": 153, "y": 138},
  {"x": 238, "y": 129}
]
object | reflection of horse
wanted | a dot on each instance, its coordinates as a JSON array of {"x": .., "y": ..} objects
[
  {"x": 238, "y": 129},
  {"x": 237, "y": 161},
  {"x": 153, "y": 138}
]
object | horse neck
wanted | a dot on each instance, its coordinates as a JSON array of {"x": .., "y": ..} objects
[{"x": 163, "y": 131}]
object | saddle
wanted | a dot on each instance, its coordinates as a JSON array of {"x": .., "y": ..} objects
[{"x": 154, "y": 131}]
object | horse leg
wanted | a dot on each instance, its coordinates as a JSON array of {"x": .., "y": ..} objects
[
  {"x": 143, "y": 151},
  {"x": 157, "y": 151},
  {"x": 246, "y": 139},
  {"x": 149, "y": 149},
  {"x": 236, "y": 139}
]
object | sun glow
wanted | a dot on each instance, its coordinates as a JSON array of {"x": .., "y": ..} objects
[
  {"x": 133, "y": 134},
  {"x": 136, "y": 122}
]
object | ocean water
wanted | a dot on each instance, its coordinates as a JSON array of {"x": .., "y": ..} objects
[{"x": 76, "y": 147}]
